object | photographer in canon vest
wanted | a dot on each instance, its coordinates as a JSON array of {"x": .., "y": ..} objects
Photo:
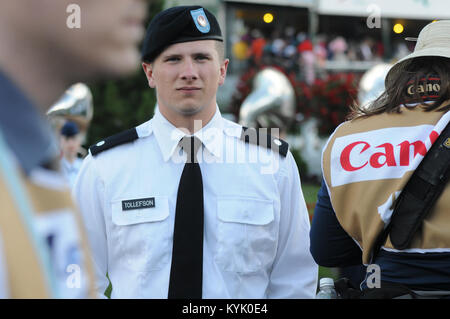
[{"x": 385, "y": 199}]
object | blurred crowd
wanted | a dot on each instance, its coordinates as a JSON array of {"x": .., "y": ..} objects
[{"x": 297, "y": 52}]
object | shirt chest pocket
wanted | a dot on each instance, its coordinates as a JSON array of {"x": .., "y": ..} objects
[
  {"x": 247, "y": 234},
  {"x": 141, "y": 236}
]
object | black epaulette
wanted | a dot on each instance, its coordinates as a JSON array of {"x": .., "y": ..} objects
[
  {"x": 114, "y": 140},
  {"x": 261, "y": 138}
]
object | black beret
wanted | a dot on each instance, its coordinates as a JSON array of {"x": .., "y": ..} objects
[
  {"x": 70, "y": 129},
  {"x": 176, "y": 25}
]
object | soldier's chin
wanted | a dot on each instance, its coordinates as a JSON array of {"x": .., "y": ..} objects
[{"x": 189, "y": 111}]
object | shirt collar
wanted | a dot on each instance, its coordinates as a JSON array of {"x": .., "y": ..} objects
[
  {"x": 27, "y": 133},
  {"x": 168, "y": 136}
]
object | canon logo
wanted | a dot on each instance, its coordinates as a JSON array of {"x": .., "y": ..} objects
[
  {"x": 424, "y": 88},
  {"x": 383, "y": 154}
]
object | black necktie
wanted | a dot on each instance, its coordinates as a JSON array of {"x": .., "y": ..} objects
[{"x": 187, "y": 255}]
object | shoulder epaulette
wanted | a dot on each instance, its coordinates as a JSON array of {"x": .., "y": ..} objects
[
  {"x": 261, "y": 138},
  {"x": 114, "y": 140}
]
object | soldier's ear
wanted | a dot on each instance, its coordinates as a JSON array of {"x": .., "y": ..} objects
[
  {"x": 148, "y": 70},
  {"x": 223, "y": 71}
]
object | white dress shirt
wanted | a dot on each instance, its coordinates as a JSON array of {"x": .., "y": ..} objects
[{"x": 256, "y": 225}]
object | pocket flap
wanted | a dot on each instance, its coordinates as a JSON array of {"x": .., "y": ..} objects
[
  {"x": 245, "y": 210},
  {"x": 159, "y": 210}
]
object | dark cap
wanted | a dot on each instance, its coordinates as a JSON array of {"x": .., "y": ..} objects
[
  {"x": 176, "y": 25},
  {"x": 70, "y": 129}
]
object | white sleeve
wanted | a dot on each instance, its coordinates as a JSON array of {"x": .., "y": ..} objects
[
  {"x": 88, "y": 193},
  {"x": 294, "y": 273},
  {"x": 4, "y": 287}
]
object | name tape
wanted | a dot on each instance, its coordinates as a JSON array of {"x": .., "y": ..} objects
[{"x": 138, "y": 203}]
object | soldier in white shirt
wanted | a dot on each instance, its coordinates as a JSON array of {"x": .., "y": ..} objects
[{"x": 243, "y": 195}]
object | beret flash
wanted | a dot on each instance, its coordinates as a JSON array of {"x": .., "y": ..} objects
[{"x": 176, "y": 25}]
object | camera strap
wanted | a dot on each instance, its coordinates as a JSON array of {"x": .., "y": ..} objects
[{"x": 418, "y": 197}]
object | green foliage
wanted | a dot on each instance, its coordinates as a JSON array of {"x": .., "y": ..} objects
[
  {"x": 301, "y": 164},
  {"x": 325, "y": 272},
  {"x": 122, "y": 104}
]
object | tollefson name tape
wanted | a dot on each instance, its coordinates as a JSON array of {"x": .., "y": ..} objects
[{"x": 138, "y": 203}]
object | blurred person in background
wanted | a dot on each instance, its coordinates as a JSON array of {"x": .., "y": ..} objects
[
  {"x": 367, "y": 165},
  {"x": 70, "y": 143},
  {"x": 43, "y": 51}
]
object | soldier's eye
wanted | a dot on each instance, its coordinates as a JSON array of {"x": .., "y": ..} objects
[
  {"x": 201, "y": 57},
  {"x": 172, "y": 59}
]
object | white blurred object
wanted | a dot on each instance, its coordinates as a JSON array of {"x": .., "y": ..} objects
[
  {"x": 76, "y": 104},
  {"x": 372, "y": 84},
  {"x": 310, "y": 144},
  {"x": 271, "y": 104}
]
